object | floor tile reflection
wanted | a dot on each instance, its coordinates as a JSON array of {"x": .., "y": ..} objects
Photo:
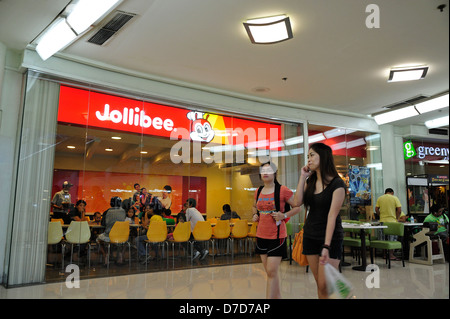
[{"x": 245, "y": 281}]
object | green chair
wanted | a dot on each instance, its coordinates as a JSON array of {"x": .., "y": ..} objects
[
  {"x": 396, "y": 229},
  {"x": 354, "y": 239}
]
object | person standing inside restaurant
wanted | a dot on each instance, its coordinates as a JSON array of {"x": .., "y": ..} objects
[
  {"x": 271, "y": 233},
  {"x": 61, "y": 203},
  {"x": 389, "y": 209},
  {"x": 322, "y": 192}
]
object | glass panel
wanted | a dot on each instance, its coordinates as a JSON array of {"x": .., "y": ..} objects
[
  {"x": 357, "y": 156},
  {"x": 27, "y": 255}
]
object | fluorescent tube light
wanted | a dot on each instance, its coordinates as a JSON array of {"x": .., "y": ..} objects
[
  {"x": 269, "y": 30},
  {"x": 433, "y": 104},
  {"x": 441, "y": 121},
  {"x": 87, "y": 12},
  {"x": 407, "y": 74},
  {"x": 396, "y": 115},
  {"x": 58, "y": 36}
]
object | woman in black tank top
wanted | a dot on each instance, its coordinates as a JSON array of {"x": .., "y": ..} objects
[{"x": 322, "y": 192}]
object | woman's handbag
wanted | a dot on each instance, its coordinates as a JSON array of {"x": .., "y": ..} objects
[{"x": 298, "y": 249}]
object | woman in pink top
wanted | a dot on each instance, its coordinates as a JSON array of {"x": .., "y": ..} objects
[{"x": 271, "y": 232}]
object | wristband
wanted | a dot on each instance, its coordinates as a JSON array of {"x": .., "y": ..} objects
[
  {"x": 285, "y": 216},
  {"x": 326, "y": 247}
]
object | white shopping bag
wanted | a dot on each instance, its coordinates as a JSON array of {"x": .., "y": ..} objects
[{"x": 337, "y": 285}]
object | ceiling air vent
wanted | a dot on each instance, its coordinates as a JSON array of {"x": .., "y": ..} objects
[
  {"x": 408, "y": 102},
  {"x": 438, "y": 131},
  {"x": 119, "y": 19}
]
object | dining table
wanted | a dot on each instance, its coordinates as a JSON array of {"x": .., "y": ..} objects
[{"x": 362, "y": 227}]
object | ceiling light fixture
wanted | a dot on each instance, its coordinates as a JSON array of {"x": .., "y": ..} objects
[
  {"x": 109, "y": 149},
  {"x": 269, "y": 30},
  {"x": 433, "y": 104},
  {"x": 407, "y": 74},
  {"x": 57, "y": 37},
  {"x": 76, "y": 18},
  {"x": 429, "y": 105},
  {"x": 441, "y": 121},
  {"x": 396, "y": 115},
  {"x": 87, "y": 12}
]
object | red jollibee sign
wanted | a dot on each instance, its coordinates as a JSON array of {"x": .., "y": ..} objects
[{"x": 94, "y": 109}]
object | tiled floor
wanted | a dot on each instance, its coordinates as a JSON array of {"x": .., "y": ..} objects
[{"x": 246, "y": 281}]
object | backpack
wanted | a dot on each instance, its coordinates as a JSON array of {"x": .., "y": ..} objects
[{"x": 287, "y": 207}]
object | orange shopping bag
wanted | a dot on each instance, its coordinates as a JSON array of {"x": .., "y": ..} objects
[{"x": 298, "y": 249}]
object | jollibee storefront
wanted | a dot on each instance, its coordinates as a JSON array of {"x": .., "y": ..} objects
[{"x": 104, "y": 139}]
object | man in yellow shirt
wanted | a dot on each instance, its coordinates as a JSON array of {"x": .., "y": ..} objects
[{"x": 389, "y": 208}]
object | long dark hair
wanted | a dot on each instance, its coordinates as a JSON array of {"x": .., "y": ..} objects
[{"x": 327, "y": 169}]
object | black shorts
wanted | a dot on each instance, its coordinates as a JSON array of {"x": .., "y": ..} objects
[
  {"x": 314, "y": 247},
  {"x": 271, "y": 247}
]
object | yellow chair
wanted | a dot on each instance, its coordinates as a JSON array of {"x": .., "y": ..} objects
[
  {"x": 119, "y": 235},
  {"x": 181, "y": 234},
  {"x": 239, "y": 232},
  {"x": 58, "y": 220},
  {"x": 55, "y": 236},
  {"x": 252, "y": 235},
  {"x": 213, "y": 220},
  {"x": 79, "y": 233},
  {"x": 222, "y": 231},
  {"x": 202, "y": 232},
  {"x": 156, "y": 234},
  {"x": 86, "y": 218}
]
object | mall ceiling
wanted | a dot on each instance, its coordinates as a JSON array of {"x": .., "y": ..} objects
[{"x": 334, "y": 61}]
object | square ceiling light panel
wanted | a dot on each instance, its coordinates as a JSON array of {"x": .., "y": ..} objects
[
  {"x": 407, "y": 74},
  {"x": 269, "y": 30}
]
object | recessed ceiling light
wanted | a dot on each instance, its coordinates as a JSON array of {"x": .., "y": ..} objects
[
  {"x": 407, "y": 74},
  {"x": 71, "y": 146},
  {"x": 353, "y": 158},
  {"x": 109, "y": 149},
  {"x": 269, "y": 30},
  {"x": 144, "y": 152},
  {"x": 116, "y": 137}
]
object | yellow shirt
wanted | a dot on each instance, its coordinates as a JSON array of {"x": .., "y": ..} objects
[{"x": 388, "y": 204}]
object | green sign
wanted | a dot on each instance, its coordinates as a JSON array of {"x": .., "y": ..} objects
[{"x": 409, "y": 150}]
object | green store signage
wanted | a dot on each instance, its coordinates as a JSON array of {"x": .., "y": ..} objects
[{"x": 408, "y": 150}]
